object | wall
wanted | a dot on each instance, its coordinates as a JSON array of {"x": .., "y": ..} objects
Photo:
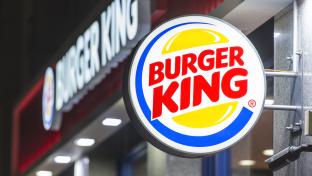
[
  {"x": 103, "y": 167},
  {"x": 282, "y": 90},
  {"x": 162, "y": 164},
  {"x": 288, "y": 90},
  {"x": 305, "y": 43}
]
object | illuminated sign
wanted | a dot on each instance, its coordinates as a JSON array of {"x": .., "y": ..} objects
[
  {"x": 105, "y": 43},
  {"x": 195, "y": 86},
  {"x": 48, "y": 99}
]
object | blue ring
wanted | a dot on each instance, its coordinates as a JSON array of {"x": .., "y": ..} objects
[{"x": 194, "y": 141}]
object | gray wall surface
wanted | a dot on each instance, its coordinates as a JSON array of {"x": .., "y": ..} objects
[
  {"x": 163, "y": 164},
  {"x": 288, "y": 90},
  {"x": 103, "y": 167},
  {"x": 183, "y": 166}
]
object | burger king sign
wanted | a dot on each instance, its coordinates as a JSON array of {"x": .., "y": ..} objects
[{"x": 195, "y": 86}]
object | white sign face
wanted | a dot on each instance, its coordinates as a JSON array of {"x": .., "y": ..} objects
[
  {"x": 105, "y": 43},
  {"x": 48, "y": 99},
  {"x": 196, "y": 86}
]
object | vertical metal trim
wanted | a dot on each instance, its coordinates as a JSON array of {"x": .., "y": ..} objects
[
  {"x": 295, "y": 37},
  {"x": 223, "y": 163},
  {"x": 218, "y": 164},
  {"x": 208, "y": 166}
]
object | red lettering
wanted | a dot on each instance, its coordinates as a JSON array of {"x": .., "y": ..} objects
[
  {"x": 236, "y": 54},
  {"x": 176, "y": 67},
  {"x": 202, "y": 60},
  {"x": 156, "y": 75},
  {"x": 211, "y": 90},
  {"x": 220, "y": 56},
  {"x": 161, "y": 98},
  {"x": 240, "y": 84},
  {"x": 193, "y": 89},
  {"x": 188, "y": 61},
  {"x": 185, "y": 93}
]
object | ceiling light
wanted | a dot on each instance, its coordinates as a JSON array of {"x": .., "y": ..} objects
[
  {"x": 62, "y": 159},
  {"x": 44, "y": 173},
  {"x": 269, "y": 102},
  {"x": 85, "y": 142},
  {"x": 247, "y": 162},
  {"x": 276, "y": 34},
  {"x": 111, "y": 122},
  {"x": 268, "y": 152}
]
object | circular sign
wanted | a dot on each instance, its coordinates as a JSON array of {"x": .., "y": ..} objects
[
  {"x": 48, "y": 99},
  {"x": 195, "y": 86}
]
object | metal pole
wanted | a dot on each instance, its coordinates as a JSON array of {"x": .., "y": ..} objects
[
  {"x": 295, "y": 56},
  {"x": 282, "y": 107},
  {"x": 281, "y": 73}
]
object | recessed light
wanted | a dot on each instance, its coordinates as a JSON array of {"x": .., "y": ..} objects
[
  {"x": 85, "y": 142},
  {"x": 269, "y": 102},
  {"x": 111, "y": 122},
  {"x": 247, "y": 162},
  {"x": 62, "y": 159},
  {"x": 276, "y": 34},
  {"x": 268, "y": 152},
  {"x": 44, "y": 173}
]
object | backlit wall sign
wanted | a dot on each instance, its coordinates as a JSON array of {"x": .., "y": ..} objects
[
  {"x": 107, "y": 41},
  {"x": 196, "y": 86}
]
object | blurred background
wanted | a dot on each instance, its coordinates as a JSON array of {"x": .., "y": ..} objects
[{"x": 96, "y": 136}]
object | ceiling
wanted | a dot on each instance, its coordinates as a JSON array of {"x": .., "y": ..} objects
[{"x": 247, "y": 15}]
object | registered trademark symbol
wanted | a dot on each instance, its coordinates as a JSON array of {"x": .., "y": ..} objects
[{"x": 252, "y": 103}]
